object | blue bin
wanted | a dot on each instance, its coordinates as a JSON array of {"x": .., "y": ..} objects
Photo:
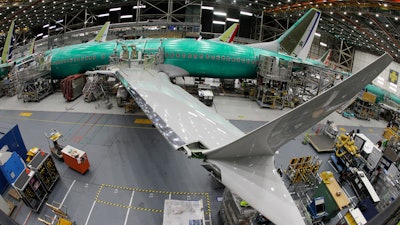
[{"x": 11, "y": 165}]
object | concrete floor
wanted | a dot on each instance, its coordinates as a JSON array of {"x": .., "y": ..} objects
[{"x": 133, "y": 169}]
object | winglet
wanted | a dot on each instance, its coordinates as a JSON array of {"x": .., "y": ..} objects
[
  {"x": 6, "y": 55},
  {"x": 229, "y": 34},
  {"x": 102, "y": 35},
  {"x": 297, "y": 40}
]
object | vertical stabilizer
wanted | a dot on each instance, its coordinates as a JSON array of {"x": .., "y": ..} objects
[
  {"x": 326, "y": 57},
  {"x": 229, "y": 34},
  {"x": 102, "y": 35},
  {"x": 297, "y": 40},
  {"x": 32, "y": 48},
  {"x": 6, "y": 55}
]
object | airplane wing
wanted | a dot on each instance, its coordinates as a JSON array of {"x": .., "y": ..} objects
[
  {"x": 243, "y": 163},
  {"x": 181, "y": 118}
]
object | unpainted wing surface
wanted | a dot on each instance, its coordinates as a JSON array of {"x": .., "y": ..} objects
[
  {"x": 245, "y": 163},
  {"x": 180, "y": 117}
]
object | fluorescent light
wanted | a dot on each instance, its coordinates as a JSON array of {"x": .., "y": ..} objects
[
  {"x": 232, "y": 20},
  {"x": 246, "y": 13},
  {"x": 39, "y": 35},
  {"x": 393, "y": 85},
  {"x": 60, "y": 21},
  {"x": 393, "y": 89},
  {"x": 139, "y": 7},
  {"x": 318, "y": 34},
  {"x": 219, "y": 13},
  {"x": 103, "y": 15},
  {"x": 52, "y": 27},
  {"x": 323, "y": 44},
  {"x": 218, "y": 22},
  {"x": 45, "y": 36},
  {"x": 60, "y": 28},
  {"x": 207, "y": 7},
  {"x": 45, "y": 26},
  {"x": 381, "y": 78},
  {"x": 126, "y": 16},
  {"x": 115, "y": 9}
]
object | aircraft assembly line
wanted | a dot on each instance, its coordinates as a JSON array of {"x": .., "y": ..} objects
[{"x": 132, "y": 169}]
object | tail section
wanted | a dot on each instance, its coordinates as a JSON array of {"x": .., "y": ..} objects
[
  {"x": 297, "y": 40},
  {"x": 102, "y": 35},
  {"x": 326, "y": 57},
  {"x": 229, "y": 34},
  {"x": 246, "y": 166},
  {"x": 6, "y": 55},
  {"x": 32, "y": 48}
]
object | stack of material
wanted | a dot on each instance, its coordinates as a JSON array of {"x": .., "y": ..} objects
[
  {"x": 235, "y": 211},
  {"x": 72, "y": 86}
]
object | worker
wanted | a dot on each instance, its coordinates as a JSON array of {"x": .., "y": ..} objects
[{"x": 375, "y": 175}]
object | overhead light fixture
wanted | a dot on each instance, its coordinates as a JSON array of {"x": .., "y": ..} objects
[
  {"x": 46, "y": 25},
  {"x": 217, "y": 13},
  {"x": 232, "y": 20},
  {"x": 126, "y": 16},
  {"x": 218, "y": 22},
  {"x": 60, "y": 21},
  {"x": 103, "y": 15},
  {"x": 323, "y": 44},
  {"x": 115, "y": 9},
  {"x": 207, "y": 7},
  {"x": 52, "y": 27},
  {"x": 246, "y": 13},
  {"x": 139, "y": 7},
  {"x": 39, "y": 35},
  {"x": 318, "y": 34}
]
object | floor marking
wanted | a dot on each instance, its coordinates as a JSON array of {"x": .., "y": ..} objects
[
  {"x": 26, "y": 114},
  {"x": 143, "y": 121},
  {"x": 65, "y": 197},
  {"x": 90, "y": 213},
  {"x": 27, "y": 217},
  {"x": 129, "y": 209},
  {"x": 151, "y": 193}
]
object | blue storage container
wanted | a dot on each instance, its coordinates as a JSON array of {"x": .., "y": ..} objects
[
  {"x": 11, "y": 165},
  {"x": 10, "y": 136}
]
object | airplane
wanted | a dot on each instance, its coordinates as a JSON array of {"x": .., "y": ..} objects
[
  {"x": 7, "y": 62},
  {"x": 243, "y": 163},
  {"x": 240, "y": 60}
]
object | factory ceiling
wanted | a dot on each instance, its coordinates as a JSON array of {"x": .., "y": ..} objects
[{"x": 368, "y": 25}]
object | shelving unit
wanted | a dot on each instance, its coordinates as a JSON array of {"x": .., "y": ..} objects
[
  {"x": 31, "y": 189},
  {"x": 45, "y": 168}
]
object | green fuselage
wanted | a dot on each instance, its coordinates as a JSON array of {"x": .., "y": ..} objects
[{"x": 199, "y": 58}]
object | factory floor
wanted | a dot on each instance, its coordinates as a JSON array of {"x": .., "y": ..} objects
[{"x": 133, "y": 169}]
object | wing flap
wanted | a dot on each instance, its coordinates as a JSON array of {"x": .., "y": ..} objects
[{"x": 180, "y": 117}]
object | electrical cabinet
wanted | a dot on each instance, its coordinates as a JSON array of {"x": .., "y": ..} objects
[
  {"x": 45, "y": 168},
  {"x": 31, "y": 189}
]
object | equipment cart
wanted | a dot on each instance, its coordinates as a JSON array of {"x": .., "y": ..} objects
[
  {"x": 31, "y": 189},
  {"x": 45, "y": 168},
  {"x": 76, "y": 159}
]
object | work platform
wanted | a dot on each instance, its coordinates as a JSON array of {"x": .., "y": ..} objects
[{"x": 321, "y": 142}]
